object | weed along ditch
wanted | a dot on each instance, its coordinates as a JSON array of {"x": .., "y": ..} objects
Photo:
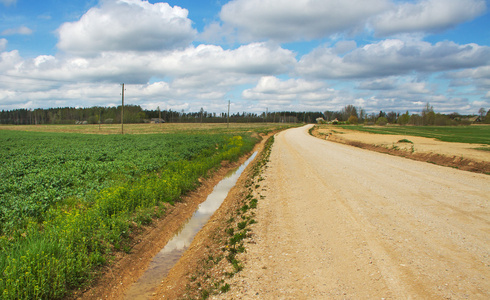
[{"x": 175, "y": 248}]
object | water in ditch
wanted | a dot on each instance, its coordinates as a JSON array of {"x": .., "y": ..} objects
[{"x": 170, "y": 254}]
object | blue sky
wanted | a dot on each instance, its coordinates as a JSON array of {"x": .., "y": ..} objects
[{"x": 301, "y": 55}]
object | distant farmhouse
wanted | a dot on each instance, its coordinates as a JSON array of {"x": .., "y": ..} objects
[{"x": 156, "y": 120}]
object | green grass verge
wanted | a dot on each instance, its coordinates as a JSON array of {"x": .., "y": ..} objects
[{"x": 476, "y": 134}]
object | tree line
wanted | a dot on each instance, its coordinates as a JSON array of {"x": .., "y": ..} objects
[
  {"x": 428, "y": 117},
  {"x": 135, "y": 114}
]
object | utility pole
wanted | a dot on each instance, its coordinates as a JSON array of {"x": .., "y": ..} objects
[
  {"x": 159, "y": 116},
  {"x": 122, "y": 111},
  {"x": 228, "y": 122},
  {"x": 266, "y": 112}
]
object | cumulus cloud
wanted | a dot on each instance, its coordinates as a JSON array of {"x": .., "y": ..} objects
[
  {"x": 208, "y": 63},
  {"x": 294, "y": 94},
  {"x": 250, "y": 59},
  {"x": 148, "y": 96},
  {"x": 426, "y": 16},
  {"x": 9, "y": 60},
  {"x": 416, "y": 88},
  {"x": 479, "y": 78},
  {"x": 23, "y": 30},
  {"x": 476, "y": 73},
  {"x": 409, "y": 93},
  {"x": 150, "y": 48},
  {"x": 378, "y": 84},
  {"x": 203, "y": 74},
  {"x": 273, "y": 87},
  {"x": 127, "y": 25},
  {"x": 293, "y": 20},
  {"x": 393, "y": 57},
  {"x": 61, "y": 96},
  {"x": 343, "y": 47}
]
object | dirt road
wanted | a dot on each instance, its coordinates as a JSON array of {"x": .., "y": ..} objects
[{"x": 338, "y": 222}]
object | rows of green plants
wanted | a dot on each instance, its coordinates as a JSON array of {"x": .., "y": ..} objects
[
  {"x": 68, "y": 200},
  {"x": 459, "y": 134}
]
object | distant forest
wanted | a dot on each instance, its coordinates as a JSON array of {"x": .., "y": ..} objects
[{"x": 135, "y": 114}]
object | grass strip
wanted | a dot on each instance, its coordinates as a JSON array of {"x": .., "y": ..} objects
[{"x": 475, "y": 134}]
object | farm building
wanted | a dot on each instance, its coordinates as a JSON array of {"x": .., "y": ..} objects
[{"x": 157, "y": 120}]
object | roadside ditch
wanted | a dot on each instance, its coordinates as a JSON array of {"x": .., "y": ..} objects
[{"x": 215, "y": 256}]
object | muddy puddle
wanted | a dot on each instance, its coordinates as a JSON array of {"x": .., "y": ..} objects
[{"x": 175, "y": 248}]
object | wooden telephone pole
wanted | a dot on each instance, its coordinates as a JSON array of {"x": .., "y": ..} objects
[
  {"x": 228, "y": 119},
  {"x": 122, "y": 111},
  {"x": 159, "y": 117}
]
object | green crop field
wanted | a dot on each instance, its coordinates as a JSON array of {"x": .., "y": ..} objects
[
  {"x": 67, "y": 200},
  {"x": 475, "y": 134}
]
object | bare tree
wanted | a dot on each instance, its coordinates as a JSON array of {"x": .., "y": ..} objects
[
  {"x": 347, "y": 111},
  {"x": 482, "y": 112}
]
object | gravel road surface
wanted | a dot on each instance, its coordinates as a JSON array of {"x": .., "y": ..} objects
[{"x": 338, "y": 222}]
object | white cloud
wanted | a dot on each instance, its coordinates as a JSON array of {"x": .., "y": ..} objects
[
  {"x": 476, "y": 73},
  {"x": 199, "y": 74},
  {"x": 426, "y": 16},
  {"x": 409, "y": 93},
  {"x": 378, "y": 84},
  {"x": 391, "y": 85},
  {"x": 416, "y": 88},
  {"x": 60, "y": 96},
  {"x": 477, "y": 78},
  {"x": 23, "y": 30},
  {"x": 202, "y": 64},
  {"x": 393, "y": 57},
  {"x": 296, "y": 20},
  {"x": 271, "y": 86},
  {"x": 294, "y": 94},
  {"x": 256, "y": 58},
  {"x": 216, "y": 33},
  {"x": 150, "y": 48},
  {"x": 293, "y": 20},
  {"x": 343, "y": 47},
  {"x": 127, "y": 25},
  {"x": 397, "y": 94},
  {"x": 9, "y": 60}
]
